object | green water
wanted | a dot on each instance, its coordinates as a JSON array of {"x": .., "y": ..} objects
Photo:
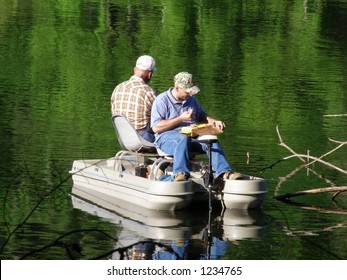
[{"x": 259, "y": 64}]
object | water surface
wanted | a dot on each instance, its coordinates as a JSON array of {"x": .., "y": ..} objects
[{"x": 259, "y": 65}]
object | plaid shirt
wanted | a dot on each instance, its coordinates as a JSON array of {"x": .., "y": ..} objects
[{"x": 133, "y": 99}]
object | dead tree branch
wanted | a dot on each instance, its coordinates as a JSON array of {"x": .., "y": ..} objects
[
  {"x": 337, "y": 189},
  {"x": 302, "y": 156},
  {"x": 305, "y": 159},
  {"x": 336, "y": 115},
  {"x": 287, "y": 147},
  {"x": 328, "y": 153},
  {"x": 336, "y": 141}
]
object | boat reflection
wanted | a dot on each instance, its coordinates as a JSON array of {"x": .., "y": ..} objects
[{"x": 172, "y": 235}]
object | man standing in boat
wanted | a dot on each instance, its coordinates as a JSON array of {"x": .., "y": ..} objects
[
  {"x": 176, "y": 108},
  {"x": 134, "y": 98}
]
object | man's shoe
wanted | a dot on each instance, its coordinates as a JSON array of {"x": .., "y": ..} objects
[
  {"x": 218, "y": 184},
  {"x": 180, "y": 176},
  {"x": 232, "y": 176}
]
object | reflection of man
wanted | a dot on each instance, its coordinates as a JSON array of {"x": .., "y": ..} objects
[
  {"x": 178, "y": 252},
  {"x": 141, "y": 251},
  {"x": 134, "y": 98},
  {"x": 218, "y": 248},
  {"x": 215, "y": 243}
]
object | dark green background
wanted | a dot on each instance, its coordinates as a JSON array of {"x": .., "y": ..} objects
[{"x": 259, "y": 64}]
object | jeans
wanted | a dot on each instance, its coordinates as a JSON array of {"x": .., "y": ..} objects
[
  {"x": 147, "y": 135},
  {"x": 181, "y": 147}
]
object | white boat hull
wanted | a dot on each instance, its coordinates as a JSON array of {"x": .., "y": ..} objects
[
  {"x": 99, "y": 178},
  {"x": 242, "y": 194}
]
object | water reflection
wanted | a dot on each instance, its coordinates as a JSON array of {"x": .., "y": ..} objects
[
  {"x": 166, "y": 235},
  {"x": 258, "y": 66}
]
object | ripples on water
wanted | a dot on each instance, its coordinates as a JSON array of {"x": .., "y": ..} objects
[{"x": 258, "y": 66}]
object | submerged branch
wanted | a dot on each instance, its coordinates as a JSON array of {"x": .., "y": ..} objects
[
  {"x": 60, "y": 243},
  {"x": 305, "y": 159},
  {"x": 331, "y": 151},
  {"x": 336, "y": 115},
  {"x": 337, "y": 189},
  {"x": 318, "y": 160},
  {"x": 337, "y": 141},
  {"x": 286, "y": 146},
  {"x": 315, "y": 159}
]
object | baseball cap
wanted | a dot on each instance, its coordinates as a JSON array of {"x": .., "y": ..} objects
[
  {"x": 146, "y": 63},
  {"x": 185, "y": 80}
]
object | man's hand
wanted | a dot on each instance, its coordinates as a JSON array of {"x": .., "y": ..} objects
[
  {"x": 187, "y": 115},
  {"x": 219, "y": 124}
]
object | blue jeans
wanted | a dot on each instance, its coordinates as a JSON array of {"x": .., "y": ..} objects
[
  {"x": 147, "y": 135},
  {"x": 181, "y": 147}
]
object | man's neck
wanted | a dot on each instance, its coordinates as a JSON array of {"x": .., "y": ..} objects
[{"x": 175, "y": 95}]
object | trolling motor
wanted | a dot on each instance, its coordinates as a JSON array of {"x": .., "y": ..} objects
[{"x": 208, "y": 140}]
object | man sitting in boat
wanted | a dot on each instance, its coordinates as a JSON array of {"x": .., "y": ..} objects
[
  {"x": 176, "y": 108},
  {"x": 134, "y": 98}
]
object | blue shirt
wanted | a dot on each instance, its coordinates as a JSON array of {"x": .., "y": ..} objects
[{"x": 166, "y": 107}]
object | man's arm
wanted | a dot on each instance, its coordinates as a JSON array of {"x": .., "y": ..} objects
[{"x": 165, "y": 125}]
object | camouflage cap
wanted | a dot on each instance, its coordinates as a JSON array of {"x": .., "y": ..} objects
[{"x": 185, "y": 80}]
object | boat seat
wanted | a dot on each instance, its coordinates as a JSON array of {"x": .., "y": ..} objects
[
  {"x": 133, "y": 143},
  {"x": 128, "y": 137}
]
